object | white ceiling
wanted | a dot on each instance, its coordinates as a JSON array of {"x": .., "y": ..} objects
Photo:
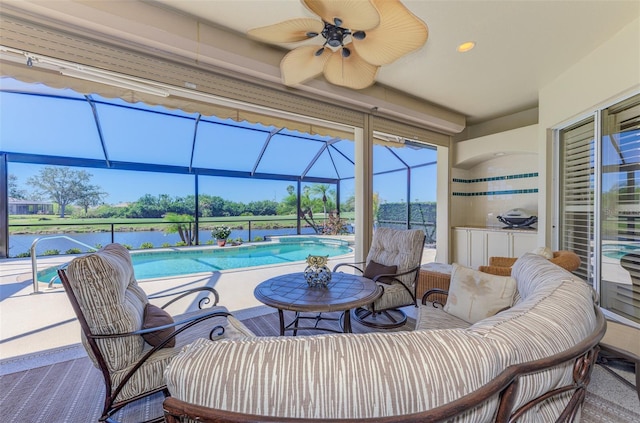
[{"x": 520, "y": 45}]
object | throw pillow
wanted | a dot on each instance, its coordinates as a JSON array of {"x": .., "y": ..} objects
[
  {"x": 153, "y": 317},
  {"x": 545, "y": 252},
  {"x": 475, "y": 295},
  {"x": 374, "y": 269}
]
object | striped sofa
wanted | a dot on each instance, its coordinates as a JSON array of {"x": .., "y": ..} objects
[{"x": 446, "y": 370}]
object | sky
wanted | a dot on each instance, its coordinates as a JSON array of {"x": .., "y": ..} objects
[{"x": 46, "y": 125}]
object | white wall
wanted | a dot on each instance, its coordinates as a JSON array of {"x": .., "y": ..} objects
[
  {"x": 476, "y": 162},
  {"x": 609, "y": 73}
]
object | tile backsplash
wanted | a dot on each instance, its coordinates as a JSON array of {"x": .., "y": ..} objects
[{"x": 491, "y": 188}]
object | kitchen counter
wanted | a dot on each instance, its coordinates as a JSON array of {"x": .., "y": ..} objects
[{"x": 500, "y": 228}]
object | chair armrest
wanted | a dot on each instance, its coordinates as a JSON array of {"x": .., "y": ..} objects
[
  {"x": 434, "y": 291},
  {"x": 394, "y": 276},
  {"x": 496, "y": 270},
  {"x": 349, "y": 265},
  {"x": 502, "y": 261},
  {"x": 187, "y": 323},
  {"x": 181, "y": 294}
]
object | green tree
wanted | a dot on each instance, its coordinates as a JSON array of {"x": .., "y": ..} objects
[
  {"x": 62, "y": 185},
  {"x": 289, "y": 204},
  {"x": 90, "y": 196},
  {"x": 14, "y": 191}
]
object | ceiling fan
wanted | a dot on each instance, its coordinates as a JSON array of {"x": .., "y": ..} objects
[{"x": 358, "y": 37}]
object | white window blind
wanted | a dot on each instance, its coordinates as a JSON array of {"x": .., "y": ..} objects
[
  {"x": 603, "y": 227},
  {"x": 620, "y": 217},
  {"x": 576, "y": 191}
]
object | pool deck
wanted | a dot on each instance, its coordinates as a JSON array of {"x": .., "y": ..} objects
[{"x": 44, "y": 324}]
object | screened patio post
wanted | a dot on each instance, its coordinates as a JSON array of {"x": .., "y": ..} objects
[{"x": 4, "y": 211}]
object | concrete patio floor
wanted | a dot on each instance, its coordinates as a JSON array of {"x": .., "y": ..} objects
[{"x": 44, "y": 322}]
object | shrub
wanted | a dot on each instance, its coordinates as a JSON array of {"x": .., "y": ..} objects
[
  {"x": 98, "y": 246},
  {"x": 127, "y": 246},
  {"x": 210, "y": 242},
  {"x": 165, "y": 245},
  {"x": 181, "y": 244},
  {"x": 73, "y": 251},
  {"x": 51, "y": 253},
  {"x": 146, "y": 245},
  {"x": 27, "y": 254},
  {"x": 258, "y": 238},
  {"x": 221, "y": 232}
]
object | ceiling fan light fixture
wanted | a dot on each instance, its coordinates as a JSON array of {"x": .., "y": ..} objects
[
  {"x": 377, "y": 32},
  {"x": 359, "y": 35},
  {"x": 466, "y": 46}
]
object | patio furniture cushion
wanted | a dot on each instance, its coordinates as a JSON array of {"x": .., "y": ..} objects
[
  {"x": 153, "y": 317},
  {"x": 550, "y": 297},
  {"x": 374, "y": 269},
  {"x": 113, "y": 303},
  {"x": 383, "y": 374},
  {"x": 474, "y": 295},
  {"x": 403, "y": 249}
]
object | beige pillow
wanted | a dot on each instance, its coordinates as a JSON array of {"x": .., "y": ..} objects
[
  {"x": 475, "y": 295},
  {"x": 545, "y": 252}
]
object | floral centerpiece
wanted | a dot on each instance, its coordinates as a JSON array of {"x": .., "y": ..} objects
[{"x": 221, "y": 233}]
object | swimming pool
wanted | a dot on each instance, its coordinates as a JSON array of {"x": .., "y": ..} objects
[
  {"x": 616, "y": 251},
  {"x": 163, "y": 263}
]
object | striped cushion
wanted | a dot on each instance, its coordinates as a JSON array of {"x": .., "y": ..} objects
[
  {"x": 553, "y": 317},
  {"x": 150, "y": 375},
  {"x": 338, "y": 376},
  {"x": 430, "y": 317},
  {"x": 532, "y": 270},
  {"x": 111, "y": 301}
]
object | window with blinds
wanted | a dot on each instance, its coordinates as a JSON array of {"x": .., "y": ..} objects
[
  {"x": 604, "y": 230},
  {"x": 576, "y": 192}
]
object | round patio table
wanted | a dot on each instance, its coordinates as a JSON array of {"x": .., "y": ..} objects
[{"x": 291, "y": 292}]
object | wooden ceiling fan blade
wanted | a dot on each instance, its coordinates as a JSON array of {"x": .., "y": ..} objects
[
  {"x": 355, "y": 14},
  {"x": 352, "y": 72},
  {"x": 288, "y": 31},
  {"x": 400, "y": 32},
  {"x": 302, "y": 64}
]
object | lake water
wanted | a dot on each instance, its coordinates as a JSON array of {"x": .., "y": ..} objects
[{"x": 22, "y": 243}]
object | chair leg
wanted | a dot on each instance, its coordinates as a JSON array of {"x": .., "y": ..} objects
[{"x": 387, "y": 319}]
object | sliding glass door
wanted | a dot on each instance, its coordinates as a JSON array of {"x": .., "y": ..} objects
[{"x": 600, "y": 203}]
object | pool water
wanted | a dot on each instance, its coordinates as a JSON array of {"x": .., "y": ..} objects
[
  {"x": 617, "y": 251},
  {"x": 157, "y": 264}
]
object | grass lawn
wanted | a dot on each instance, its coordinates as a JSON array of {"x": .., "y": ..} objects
[{"x": 36, "y": 224}]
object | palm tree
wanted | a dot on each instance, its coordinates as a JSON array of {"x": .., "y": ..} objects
[
  {"x": 322, "y": 190},
  {"x": 181, "y": 223}
]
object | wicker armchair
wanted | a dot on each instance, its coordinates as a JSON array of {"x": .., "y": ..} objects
[{"x": 501, "y": 266}]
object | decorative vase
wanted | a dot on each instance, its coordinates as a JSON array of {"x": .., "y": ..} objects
[
  {"x": 221, "y": 242},
  {"x": 317, "y": 274}
]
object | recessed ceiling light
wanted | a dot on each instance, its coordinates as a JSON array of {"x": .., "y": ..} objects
[{"x": 464, "y": 47}]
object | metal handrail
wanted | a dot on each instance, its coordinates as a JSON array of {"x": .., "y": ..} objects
[{"x": 34, "y": 258}]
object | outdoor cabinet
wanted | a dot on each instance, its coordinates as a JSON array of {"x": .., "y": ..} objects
[{"x": 472, "y": 247}]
